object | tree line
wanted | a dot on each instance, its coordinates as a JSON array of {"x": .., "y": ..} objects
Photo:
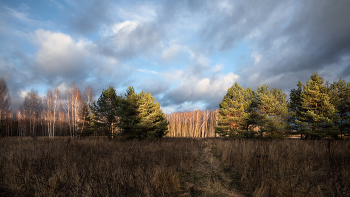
[
  {"x": 194, "y": 123},
  {"x": 316, "y": 109},
  {"x": 55, "y": 114},
  {"x": 76, "y": 113}
]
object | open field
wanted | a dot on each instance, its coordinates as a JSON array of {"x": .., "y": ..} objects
[{"x": 173, "y": 167}]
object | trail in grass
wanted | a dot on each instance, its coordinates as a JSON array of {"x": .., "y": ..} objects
[{"x": 208, "y": 177}]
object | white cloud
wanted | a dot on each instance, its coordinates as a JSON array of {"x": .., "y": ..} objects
[
  {"x": 59, "y": 54},
  {"x": 128, "y": 39},
  {"x": 124, "y": 28},
  {"x": 196, "y": 88},
  {"x": 226, "y": 7},
  {"x": 23, "y": 93},
  {"x": 171, "y": 52},
  {"x": 62, "y": 87},
  {"x": 218, "y": 68},
  {"x": 198, "y": 58},
  {"x": 173, "y": 76},
  {"x": 254, "y": 33},
  {"x": 147, "y": 71},
  {"x": 145, "y": 12},
  {"x": 257, "y": 57}
]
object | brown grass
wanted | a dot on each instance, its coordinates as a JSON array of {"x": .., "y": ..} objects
[
  {"x": 208, "y": 177},
  {"x": 289, "y": 167},
  {"x": 92, "y": 167},
  {"x": 173, "y": 167}
]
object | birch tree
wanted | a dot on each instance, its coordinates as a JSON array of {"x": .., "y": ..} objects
[
  {"x": 48, "y": 111},
  {"x": 89, "y": 95},
  {"x": 32, "y": 107},
  {"x": 56, "y": 106}
]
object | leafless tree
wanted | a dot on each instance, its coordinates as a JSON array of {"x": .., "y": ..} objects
[
  {"x": 48, "y": 111},
  {"x": 32, "y": 107},
  {"x": 68, "y": 108},
  {"x": 73, "y": 102},
  {"x": 56, "y": 105},
  {"x": 77, "y": 101},
  {"x": 21, "y": 119},
  {"x": 192, "y": 123},
  {"x": 89, "y": 95}
]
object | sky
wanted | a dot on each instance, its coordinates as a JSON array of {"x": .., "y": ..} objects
[{"x": 186, "y": 53}]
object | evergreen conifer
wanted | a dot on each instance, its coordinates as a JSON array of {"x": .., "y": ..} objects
[
  {"x": 104, "y": 112},
  {"x": 318, "y": 113},
  {"x": 141, "y": 117},
  {"x": 234, "y": 112}
]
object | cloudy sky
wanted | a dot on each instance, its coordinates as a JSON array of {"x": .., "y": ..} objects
[{"x": 185, "y": 53}]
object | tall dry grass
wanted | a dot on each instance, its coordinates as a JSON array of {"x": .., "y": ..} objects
[
  {"x": 288, "y": 167},
  {"x": 100, "y": 167},
  {"x": 93, "y": 166}
]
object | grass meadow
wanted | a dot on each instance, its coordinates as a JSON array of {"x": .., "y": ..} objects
[{"x": 64, "y": 166}]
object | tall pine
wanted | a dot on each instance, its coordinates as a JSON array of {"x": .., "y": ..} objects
[
  {"x": 140, "y": 117},
  {"x": 318, "y": 113},
  {"x": 153, "y": 121},
  {"x": 234, "y": 112},
  {"x": 339, "y": 93},
  {"x": 295, "y": 108},
  {"x": 128, "y": 115},
  {"x": 104, "y": 112},
  {"x": 271, "y": 110}
]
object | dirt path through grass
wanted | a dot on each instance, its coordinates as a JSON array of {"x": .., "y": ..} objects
[{"x": 208, "y": 177}]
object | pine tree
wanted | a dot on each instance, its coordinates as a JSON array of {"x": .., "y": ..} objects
[
  {"x": 140, "y": 116},
  {"x": 234, "y": 112},
  {"x": 295, "y": 107},
  {"x": 317, "y": 114},
  {"x": 271, "y": 108},
  {"x": 128, "y": 115},
  {"x": 153, "y": 122},
  {"x": 104, "y": 112},
  {"x": 339, "y": 93}
]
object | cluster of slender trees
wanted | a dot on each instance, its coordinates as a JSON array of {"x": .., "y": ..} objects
[
  {"x": 56, "y": 114},
  {"x": 316, "y": 109},
  {"x": 194, "y": 123}
]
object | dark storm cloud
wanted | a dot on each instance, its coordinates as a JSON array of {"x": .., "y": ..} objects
[
  {"x": 294, "y": 38},
  {"x": 321, "y": 31},
  {"x": 229, "y": 22}
]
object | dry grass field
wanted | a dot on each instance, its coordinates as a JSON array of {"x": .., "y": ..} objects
[{"x": 173, "y": 167}]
